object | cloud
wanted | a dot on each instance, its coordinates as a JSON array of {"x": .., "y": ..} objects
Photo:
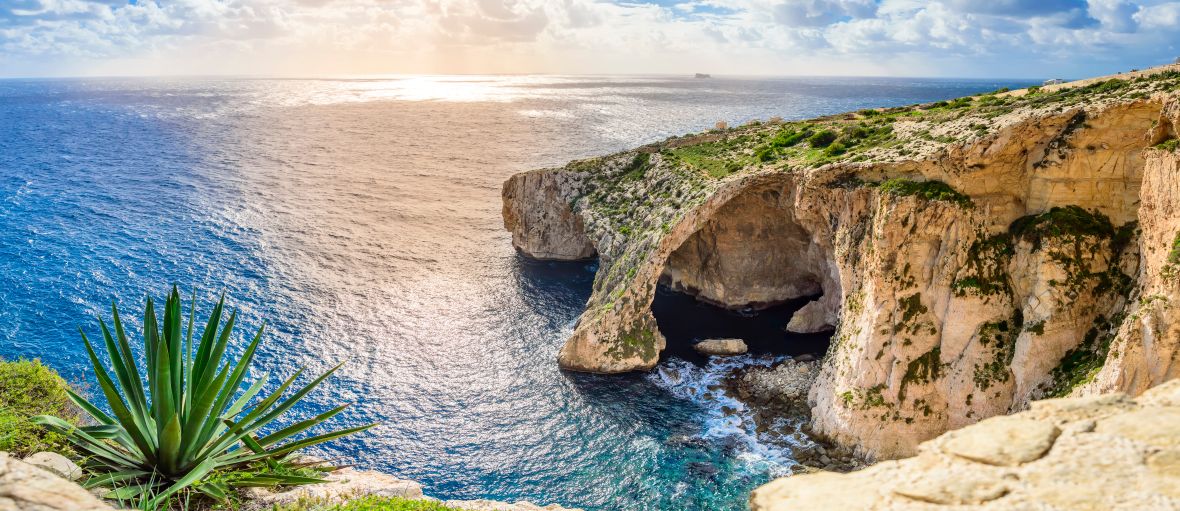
[{"x": 973, "y": 37}]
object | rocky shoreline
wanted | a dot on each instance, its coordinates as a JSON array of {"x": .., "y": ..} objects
[{"x": 779, "y": 391}]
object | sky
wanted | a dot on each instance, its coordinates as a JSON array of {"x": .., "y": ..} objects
[{"x": 953, "y": 38}]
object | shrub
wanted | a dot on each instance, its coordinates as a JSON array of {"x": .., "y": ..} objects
[
  {"x": 192, "y": 425},
  {"x": 29, "y": 388},
  {"x": 929, "y": 190},
  {"x": 822, "y": 139},
  {"x": 1168, "y": 145}
]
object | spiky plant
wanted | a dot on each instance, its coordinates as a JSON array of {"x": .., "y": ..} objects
[{"x": 192, "y": 422}]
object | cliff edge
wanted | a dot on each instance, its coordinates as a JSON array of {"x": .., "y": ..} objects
[{"x": 971, "y": 255}]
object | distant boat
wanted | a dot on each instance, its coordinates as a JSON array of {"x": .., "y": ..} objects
[{"x": 703, "y": 75}]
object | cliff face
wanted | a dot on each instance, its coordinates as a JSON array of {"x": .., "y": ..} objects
[{"x": 971, "y": 256}]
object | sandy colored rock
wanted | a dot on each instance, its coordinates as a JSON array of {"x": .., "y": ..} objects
[
  {"x": 1003, "y": 441},
  {"x": 24, "y": 487},
  {"x": 55, "y": 463},
  {"x": 721, "y": 347},
  {"x": 1115, "y": 466},
  {"x": 344, "y": 484}
]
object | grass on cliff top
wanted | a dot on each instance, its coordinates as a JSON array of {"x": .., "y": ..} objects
[
  {"x": 369, "y": 503},
  {"x": 872, "y": 134},
  {"x": 28, "y": 388}
]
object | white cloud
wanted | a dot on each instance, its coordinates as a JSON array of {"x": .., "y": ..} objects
[{"x": 963, "y": 37}]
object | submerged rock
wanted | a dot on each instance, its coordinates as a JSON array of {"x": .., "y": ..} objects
[{"x": 721, "y": 347}]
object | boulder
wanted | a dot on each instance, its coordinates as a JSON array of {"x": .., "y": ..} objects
[
  {"x": 55, "y": 463},
  {"x": 721, "y": 347},
  {"x": 25, "y": 487}
]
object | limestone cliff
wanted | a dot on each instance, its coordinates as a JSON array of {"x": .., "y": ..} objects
[
  {"x": 1091, "y": 453},
  {"x": 971, "y": 255}
]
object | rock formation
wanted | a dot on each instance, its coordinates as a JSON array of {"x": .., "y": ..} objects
[
  {"x": 1090, "y": 453},
  {"x": 971, "y": 255},
  {"x": 25, "y": 487},
  {"x": 721, "y": 347}
]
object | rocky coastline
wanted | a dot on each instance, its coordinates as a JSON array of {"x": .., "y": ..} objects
[{"x": 971, "y": 256}]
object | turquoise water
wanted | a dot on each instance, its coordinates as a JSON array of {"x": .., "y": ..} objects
[{"x": 360, "y": 219}]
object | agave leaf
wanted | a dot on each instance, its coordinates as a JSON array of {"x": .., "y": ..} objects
[
  {"x": 207, "y": 337},
  {"x": 170, "y": 446},
  {"x": 304, "y": 443},
  {"x": 299, "y": 427},
  {"x": 114, "y": 477},
  {"x": 212, "y": 421},
  {"x": 162, "y": 398},
  {"x": 173, "y": 338},
  {"x": 85, "y": 441},
  {"x": 228, "y": 438},
  {"x": 216, "y": 490},
  {"x": 188, "y": 479},
  {"x": 129, "y": 357},
  {"x": 126, "y": 492},
  {"x": 271, "y": 480},
  {"x": 116, "y": 403},
  {"x": 103, "y": 432},
  {"x": 200, "y": 410}
]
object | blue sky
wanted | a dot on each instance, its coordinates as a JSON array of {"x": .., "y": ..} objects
[{"x": 962, "y": 38}]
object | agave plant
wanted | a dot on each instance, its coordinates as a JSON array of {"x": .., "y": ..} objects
[{"x": 193, "y": 421}]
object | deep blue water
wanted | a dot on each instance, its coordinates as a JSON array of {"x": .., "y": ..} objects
[{"x": 360, "y": 220}]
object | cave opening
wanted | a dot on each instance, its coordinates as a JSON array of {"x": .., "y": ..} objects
[
  {"x": 685, "y": 320},
  {"x": 746, "y": 273}
]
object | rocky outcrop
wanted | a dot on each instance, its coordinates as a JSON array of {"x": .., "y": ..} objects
[
  {"x": 25, "y": 487},
  {"x": 971, "y": 256},
  {"x": 543, "y": 227},
  {"x": 1099, "y": 452}
]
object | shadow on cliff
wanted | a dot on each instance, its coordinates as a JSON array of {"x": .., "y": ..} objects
[{"x": 557, "y": 290}]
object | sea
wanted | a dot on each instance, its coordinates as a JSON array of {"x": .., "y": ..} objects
[{"x": 359, "y": 220}]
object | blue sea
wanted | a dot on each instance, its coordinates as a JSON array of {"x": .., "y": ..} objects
[{"x": 360, "y": 220}]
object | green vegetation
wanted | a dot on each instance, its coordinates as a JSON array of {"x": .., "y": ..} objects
[
  {"x": 192, "y": 427},
  {"x": 29, "y": 388},
  {"x": 1174, "y": 255},
  {"x": 986, "y": 268},
  {"x": 822, "y": 139},
  {"x": 1059, "y": 222},
  {"x": 716, "y": 159},
  {"x": 924, "y": 369},
  {"x": 1000, "y": 336},
  {"x": 1168, "y": 145},
  {"x": 1081, "y": 364},
  {"x": 929, "y": 190},
  {"x": 368, "y": 503},
  {"x": 911, "y": 308}
]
